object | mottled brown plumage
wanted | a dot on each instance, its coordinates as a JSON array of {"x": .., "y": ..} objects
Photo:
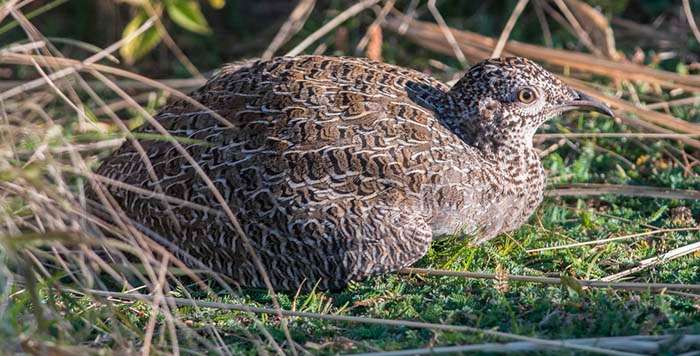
[{"x": 341, "y": 168}]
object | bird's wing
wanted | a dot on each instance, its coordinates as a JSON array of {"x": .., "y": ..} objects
[
  {"x": 395, "y": 237},
  {"x": 311, "y": 146}
]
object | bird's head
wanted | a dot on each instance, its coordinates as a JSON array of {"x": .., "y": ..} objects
[{"x": 509, "y": 98}]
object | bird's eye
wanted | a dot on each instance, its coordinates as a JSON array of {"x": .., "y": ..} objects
[{"x": 527, "y": 95}]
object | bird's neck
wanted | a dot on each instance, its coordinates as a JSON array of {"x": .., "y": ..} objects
[
  {"x": 517, "y": 155},
  {"x": 496, "y": 140},
  {"x": 510, "y": 145}
]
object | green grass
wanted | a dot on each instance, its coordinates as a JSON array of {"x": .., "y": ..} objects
[
  {"x": 553, "y": 312},
  {"x": 531, "y": 309}
]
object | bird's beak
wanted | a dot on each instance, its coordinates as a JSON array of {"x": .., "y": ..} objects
[{"x": 586, "y": 102}]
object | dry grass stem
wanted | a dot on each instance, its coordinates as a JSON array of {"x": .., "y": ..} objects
[
  {"x": 638, "y": 135},
  {"x": 375, "y": 26},
  {"x": 636, "y": 345},
  {"x": 170, "y": 42},
  {"x": 7, "y": 7},
  {"x": 597, "y": 26},
  {"x": 290, "y": 27},
  {"x": 429, "y": 35},
  {"x": 503, "y": 38},
  {"x": 633, "y": 286},
  {"x": 546, "y": 33},
  {"x": 374, "y": 47},
  {"x": 14, "y": 58},
  {"x": 355, "y": 319},
  {"x": 693, "y": 100},
  {"x": 612, "y": 239},
  {"x": 691, "y": 20},
  {"x": 578, "y": 30},
  {"x": 656, "y": 260},
  {"x": 330, "y": 25},
  {"x": 447, "y": 33},
  {"x": 591, "y": 189},
  {"x": 34, "y": 84}
]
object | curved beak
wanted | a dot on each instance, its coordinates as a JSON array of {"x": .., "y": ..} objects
[{"x": 586, "y": 102}]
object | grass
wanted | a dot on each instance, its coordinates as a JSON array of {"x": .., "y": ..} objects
[
  {"x": 553, "y": 312},
  {"x": 52, "y": 258}
]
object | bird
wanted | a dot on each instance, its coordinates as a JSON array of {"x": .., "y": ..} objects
[{"x": 336, "y": 169}]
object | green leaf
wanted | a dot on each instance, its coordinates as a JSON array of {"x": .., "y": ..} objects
[
  {"x": 657, "y": 214},
  {"x": 8, "y": 175},
  {"x": 571, "y": 283},
  {"x": 188, "y": 15},
  {"x": 15, "y": 242},
  {"x": 217, "y": 4},
  {"x": 141, "y": 44},
  {"x": 587, "y": 219}
]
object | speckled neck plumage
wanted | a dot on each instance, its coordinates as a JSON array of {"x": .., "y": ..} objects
[{"x": 340, "y": 168}]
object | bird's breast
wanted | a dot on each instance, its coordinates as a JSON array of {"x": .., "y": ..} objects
[{"x": 488, "y": 199}]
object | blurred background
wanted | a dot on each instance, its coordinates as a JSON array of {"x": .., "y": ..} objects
[{"x": 218, "y": 31}]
